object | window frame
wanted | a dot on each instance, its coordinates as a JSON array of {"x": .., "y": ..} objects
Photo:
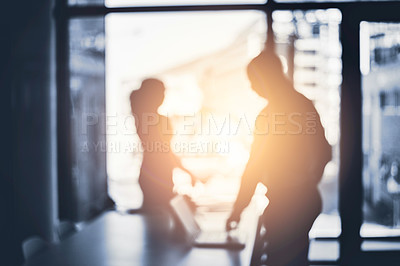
[{"x": 350, "y": 174}]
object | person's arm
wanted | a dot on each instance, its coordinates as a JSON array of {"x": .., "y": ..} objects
[
  {"x": 179, "y": 164},
  {"x": 247, "y": 187},
  {"x": 175, "y": 160},
  {"x": 251, "y": 176}
]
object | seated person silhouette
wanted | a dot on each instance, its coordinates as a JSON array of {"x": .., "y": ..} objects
[
  {"x": 155, "y": 134},
  {"x": 288, "y": 155}
]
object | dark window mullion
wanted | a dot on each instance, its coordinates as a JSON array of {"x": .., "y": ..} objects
[
  {"x": 102, "y": 10},
  {"x": 350, "y": 177}
]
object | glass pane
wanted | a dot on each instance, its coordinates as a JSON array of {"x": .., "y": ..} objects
[
  {"x": 380, "y": 65},
  {"x": 324, "y": 250},
  {"x": 308, "y": 44},
  {"x": 380, "y": 245},
  {"x": 86, "y": 105},
  {"x": 120, "y": 3},
  {"x": 201, "y": 58},
  {"x": 85, "y": 2}
]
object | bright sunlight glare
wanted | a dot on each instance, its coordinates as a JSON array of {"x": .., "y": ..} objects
[{"x": 202, "y": 59}]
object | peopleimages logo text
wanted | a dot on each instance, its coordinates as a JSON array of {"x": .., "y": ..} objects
[
  {"x": 293, "y": 123},
  {"x": 187, "y": 147}
]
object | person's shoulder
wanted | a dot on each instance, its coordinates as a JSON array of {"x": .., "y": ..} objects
[
  {"x": 163, "y": 120},
  {"x": 163, "y": 117},
  {"x": 266, "y": 109},
  {"x": 305, "y": 102},
  {"x": 301, "y": 97},
  {"x": 392, "y": 186},
  {"x": 165, "y": 125},
  {"x": 264, "y": 113}
]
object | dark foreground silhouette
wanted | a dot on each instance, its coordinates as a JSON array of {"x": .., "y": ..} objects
[
  {"x": 288, "y": 156},
  {"x": 155, "y": 134}
]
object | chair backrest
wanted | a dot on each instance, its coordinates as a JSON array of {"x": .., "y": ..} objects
[
  {"x": 259, "y": 244},
  {"x": 32, "y": 246}
]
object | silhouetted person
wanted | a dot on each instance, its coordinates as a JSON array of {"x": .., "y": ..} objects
[
  {"x": 288, "y": 156},
  {"x": 155, "y": 134},
  {"x": 393, "y": 187}
]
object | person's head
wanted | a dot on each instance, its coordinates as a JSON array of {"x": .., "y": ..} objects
[
  {"x": 148, "y": 97},
  {"x": 265, "y": 73}
]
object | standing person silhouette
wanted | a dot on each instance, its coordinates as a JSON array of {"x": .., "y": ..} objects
[
  {"x": 155, "y": 134},
  {"x": 288, "y": 156}
]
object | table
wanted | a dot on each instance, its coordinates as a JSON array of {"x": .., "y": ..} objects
[{"x": 118, "y": 239}]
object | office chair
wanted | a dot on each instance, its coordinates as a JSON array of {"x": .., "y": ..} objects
[{"x": 33, "y": 245}]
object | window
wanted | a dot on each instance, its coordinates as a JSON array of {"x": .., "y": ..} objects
[
  {"x": 322, "y": 31},
  {"x": 380, "y": 58},
  {"x": 83, "y": 180},
  {"x": 309, "y": 43},
  {"x": 201, "y": 58}
]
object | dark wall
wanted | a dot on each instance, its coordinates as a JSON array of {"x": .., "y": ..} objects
[
  {"x": 28, "y": 155},
  {"x": 7, "y": 242}
]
